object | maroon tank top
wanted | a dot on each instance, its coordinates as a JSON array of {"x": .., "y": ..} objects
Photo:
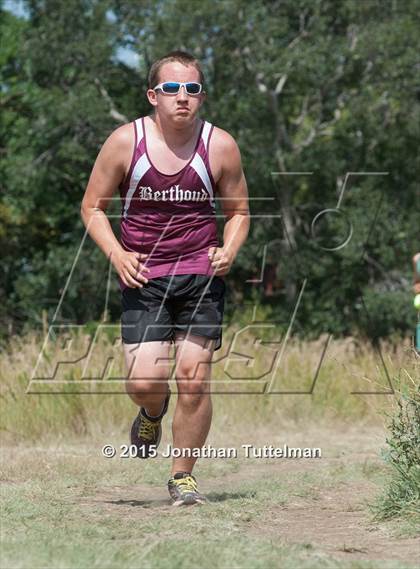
[{"x": 171, "y": 218}]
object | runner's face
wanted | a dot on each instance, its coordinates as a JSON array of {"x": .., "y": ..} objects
[{"x": 181, "y": 108}]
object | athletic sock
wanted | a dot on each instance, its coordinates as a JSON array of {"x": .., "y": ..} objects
[{"x": 178, "y": 475}]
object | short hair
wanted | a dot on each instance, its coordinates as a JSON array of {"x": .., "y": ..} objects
[{"x": 177, "y": 55}]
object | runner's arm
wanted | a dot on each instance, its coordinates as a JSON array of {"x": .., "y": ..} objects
[
  {"x": 233, "y": 191},
  {"x": 107, "y": 174}
]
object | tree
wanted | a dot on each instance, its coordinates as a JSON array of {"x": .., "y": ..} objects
[{"x": 304, "y": 86}]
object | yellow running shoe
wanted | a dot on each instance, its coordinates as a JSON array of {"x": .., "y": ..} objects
[
  {"x": 183, "y": 490},
  {"x": 146, "y": 431}
]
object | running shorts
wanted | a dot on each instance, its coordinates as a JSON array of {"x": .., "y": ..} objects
[{"x": 189, "y": 303}]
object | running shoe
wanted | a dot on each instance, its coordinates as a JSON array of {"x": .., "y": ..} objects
[
  {"x": 146, "y": 431},
  {"x": 183, "y": 490}
]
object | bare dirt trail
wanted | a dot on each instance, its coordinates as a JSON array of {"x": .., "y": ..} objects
[{"x": 325, "y": 502}]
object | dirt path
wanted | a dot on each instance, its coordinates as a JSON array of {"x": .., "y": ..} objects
[
  {"x": 317, "y": 504},
  {"x": 337, "y": 522},
  {"x": 326, "y": 503}
]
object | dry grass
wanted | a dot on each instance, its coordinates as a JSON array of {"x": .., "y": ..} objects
[
  {"x": 273, "y": 384},
  {"x": 64, "y": 505}
]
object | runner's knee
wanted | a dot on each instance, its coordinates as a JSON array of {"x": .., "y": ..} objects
[
  {"x": 143, "y": 383},
  {"x": 191, "y": 392},
  {"x": 142, "y": 387}
]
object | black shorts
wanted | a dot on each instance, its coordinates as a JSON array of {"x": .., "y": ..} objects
[{"x": 188, "y": 303}]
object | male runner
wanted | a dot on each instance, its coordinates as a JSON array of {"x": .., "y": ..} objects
[{"x": 168, "y": 167}]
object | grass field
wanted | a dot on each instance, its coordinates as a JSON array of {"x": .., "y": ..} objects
[{"x": 65, "y": 506}]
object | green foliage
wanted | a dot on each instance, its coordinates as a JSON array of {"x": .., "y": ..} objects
[
  {"x": 402, "y": 497},
  {"x": 304, "y": 86}
]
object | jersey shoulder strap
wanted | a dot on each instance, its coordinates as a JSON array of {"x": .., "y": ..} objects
[
  {"x": 139, "y": 131},
  {"x": 206, "y": 134}
]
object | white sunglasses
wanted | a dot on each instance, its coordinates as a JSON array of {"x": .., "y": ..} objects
[{"x": 173, "y": 87}]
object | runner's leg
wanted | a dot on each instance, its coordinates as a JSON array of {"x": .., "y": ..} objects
[
  {"x": 148, "y": 370},
  {"x": 193, "y": 412}
]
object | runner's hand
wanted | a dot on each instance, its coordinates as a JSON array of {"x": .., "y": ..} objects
[
  {"x": 130, "y": 269},
  {"x": 221, "y": 260}
]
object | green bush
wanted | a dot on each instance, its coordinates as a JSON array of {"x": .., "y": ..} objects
[{"x": 402, "y": 496}]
